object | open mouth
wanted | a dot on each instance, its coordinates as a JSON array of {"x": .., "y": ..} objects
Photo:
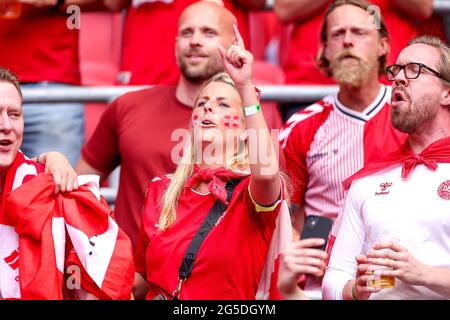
[
  {"x": 5, "y": 142},
  {"x": 206, "y": 123},
  {"x": 398, "y": 97}
]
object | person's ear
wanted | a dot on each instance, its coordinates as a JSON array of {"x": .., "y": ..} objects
[
  {"x": 445, "y": 97},
  {"x": 385, "y": 47}
]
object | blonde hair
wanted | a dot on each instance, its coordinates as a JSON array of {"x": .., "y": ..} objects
[
  {"x": 239, "y": 163},
  {"x": 444, "y": 63}
]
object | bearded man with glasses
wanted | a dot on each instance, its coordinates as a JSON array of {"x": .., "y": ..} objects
[{"x": 414, "y": 209}]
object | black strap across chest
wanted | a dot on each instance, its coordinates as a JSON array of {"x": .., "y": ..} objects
[{"x": 214, "y": 214}]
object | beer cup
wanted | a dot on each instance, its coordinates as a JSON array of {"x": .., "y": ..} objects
[{"x": 377, "y": 280}]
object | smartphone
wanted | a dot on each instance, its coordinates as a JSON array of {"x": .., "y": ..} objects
[{"x": 317, "y": 227}]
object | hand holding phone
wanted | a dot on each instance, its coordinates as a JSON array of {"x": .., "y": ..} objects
[{"x": 317, "y": 227}]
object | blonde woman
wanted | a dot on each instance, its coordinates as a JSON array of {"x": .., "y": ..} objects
[{"x": 228, "y": 131}]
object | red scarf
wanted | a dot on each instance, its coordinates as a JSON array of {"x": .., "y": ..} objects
[
  {"x": 438, "y": 151},
  {"x": 216, "y": 180}
]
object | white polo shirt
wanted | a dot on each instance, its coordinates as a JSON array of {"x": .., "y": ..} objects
[{"x": 416, "y": 210}]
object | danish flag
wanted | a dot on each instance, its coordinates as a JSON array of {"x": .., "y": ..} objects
[
  {"x": 13, "y": 259},
  {"x": 231, "y": 121}
]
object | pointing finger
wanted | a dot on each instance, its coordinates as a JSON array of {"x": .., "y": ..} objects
[
  {"x": 222, "y": 52},
  {"x": 237, "y": 35}
]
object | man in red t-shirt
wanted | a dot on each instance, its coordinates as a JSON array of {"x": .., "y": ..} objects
[
  {"x": 142, "y": 131},
  {"x": 301, "y": 64},
  {"x": 157, "y": 20},
  {"x": 41, "y": 47}
]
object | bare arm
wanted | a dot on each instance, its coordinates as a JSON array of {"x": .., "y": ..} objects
[
  {"x": 116, "y": 5},
  {"x": 415, "y": 8},
  {"x": 438, "y": 280},
  {"x": 297, "y": 10},
  {"x": 85, "y": 5},
  {"x": 83, "y": 167},
  {"x": 265, "y": 184}
]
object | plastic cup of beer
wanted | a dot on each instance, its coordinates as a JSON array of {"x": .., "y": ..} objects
[
  {"x": 377, "y": 279},
  {"x": 10, "y": 9}
]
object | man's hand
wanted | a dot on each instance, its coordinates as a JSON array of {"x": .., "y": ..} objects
[
  {"x": 402, "y": 264},
  {"x": 362, "y": 290},
  {"x": 58, "y": 166}
]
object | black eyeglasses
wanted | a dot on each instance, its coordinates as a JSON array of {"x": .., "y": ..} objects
[{"x": 412, "y": 71}]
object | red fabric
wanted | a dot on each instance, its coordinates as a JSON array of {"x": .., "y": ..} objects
[
  {"x": 274, "y": 293},
  {"x": 300, "y": 66},
  {"x": 297, "y": 149},
  {"x": 142, "y": 34},
  {"x": 231, "y": 259},
  {"x": 380, "y": 138},
  {"x": 118, "y": 140},
  {"x": 436, "y": 152},
  {"x": 9, "y": 181},
  {"x": 434, "y": 26},
  {"x": 40, "y": 47},
  {"x": 32, "y": 208},
  {"x": 215, "y": 179}
]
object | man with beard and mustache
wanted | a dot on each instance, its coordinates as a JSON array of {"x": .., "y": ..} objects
[
  {"x": 405, "y": 196},
  {"x": 330, "y": 140},
  {"x": 138, "y": 130}
]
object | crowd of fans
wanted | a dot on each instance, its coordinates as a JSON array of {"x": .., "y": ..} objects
[{"x": 209, "y": 173}]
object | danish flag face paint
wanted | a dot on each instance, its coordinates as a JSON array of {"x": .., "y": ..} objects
[{"x": 231, "y": 121}]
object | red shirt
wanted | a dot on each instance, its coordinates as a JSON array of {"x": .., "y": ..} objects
[
  {"x": 135, "y": 132},
  {"x": 230, "y": 260},
  {"x": 148, "y": 49},
  {"x": 300, "y": 66},
  {"x": 40, "y": 47}
]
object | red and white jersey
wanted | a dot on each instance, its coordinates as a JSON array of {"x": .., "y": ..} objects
[
  {"x": 415, "y": 212},
  {"x": 327, "y": 142}
]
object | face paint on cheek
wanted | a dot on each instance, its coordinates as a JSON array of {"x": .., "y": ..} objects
[
  {"x": 231, "y": 121},
  {"x": 195, "y": 121}
]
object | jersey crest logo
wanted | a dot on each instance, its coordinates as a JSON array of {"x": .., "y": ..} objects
[
  {"x": 444, "y": 190},
  {"x": 384, "y": 188}
]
